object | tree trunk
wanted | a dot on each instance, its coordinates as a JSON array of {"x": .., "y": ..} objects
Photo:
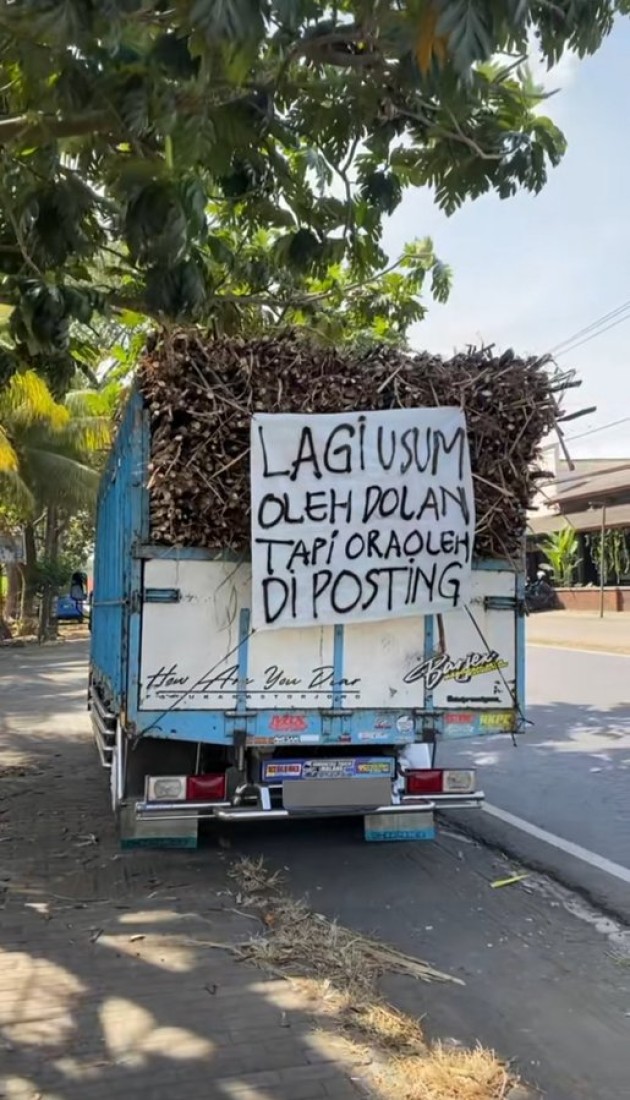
[
  {"x": 5, "y": 632},
  {"x": 14, "y": 590},
  {"x": 47, "y": 624},
  {"x": 28, "y": 624}
]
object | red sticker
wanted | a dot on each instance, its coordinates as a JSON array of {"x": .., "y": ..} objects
[{"x": 288, "y": 723}]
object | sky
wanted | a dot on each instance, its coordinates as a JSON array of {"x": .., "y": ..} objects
[{"x": 532, "y": 270}]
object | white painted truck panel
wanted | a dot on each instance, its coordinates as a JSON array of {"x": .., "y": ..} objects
[
  {"x": 480, "y": 645},
  {"x": 191, "y": 651}
]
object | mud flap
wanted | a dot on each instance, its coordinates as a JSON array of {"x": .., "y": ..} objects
[
  {"x": 380, "y": 827},
  {"x": 137, "y": 832}
]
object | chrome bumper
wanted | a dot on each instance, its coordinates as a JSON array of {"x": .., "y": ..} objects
[{"x": 226, "y": 811}]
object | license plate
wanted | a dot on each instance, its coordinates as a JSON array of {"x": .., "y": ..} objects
[
  {"x": 392, "y": 827},
  {"x": 363, "y": 767},
  {"x": 343, "y": 795}
]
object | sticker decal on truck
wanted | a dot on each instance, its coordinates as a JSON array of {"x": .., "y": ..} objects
[
  {"x": 288, "y": 723},
  {"x": 461, "y": 670},
  {"x": 283, "y": 769},
  {"x": 346, "y": 768}
]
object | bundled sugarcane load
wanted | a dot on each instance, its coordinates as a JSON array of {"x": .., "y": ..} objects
[{"x": 201, "y": 394}]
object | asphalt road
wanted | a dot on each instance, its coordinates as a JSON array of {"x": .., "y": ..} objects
[
  {"x": 569, "y": 774},
  {"x": 547, "y": 979}
]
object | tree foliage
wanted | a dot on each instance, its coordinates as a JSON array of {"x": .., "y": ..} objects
[
  {"x": 233, "y": 160},
  {"x": 561, "y": 549},
  {"x": 47, "y": 449},
  {"x": 612, "y": 557}
]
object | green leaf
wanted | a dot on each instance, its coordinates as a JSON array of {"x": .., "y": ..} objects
[
  {"x": 235, "y": 21},
  {"x": 383, "y": 190},
  {"x": 265, "y": 212},
  {"x": 176, "y": 291},
  {"x": 467, "y": 26},
  {"x": 156, "y": 227},
  {"x": 441, "y": 281}
]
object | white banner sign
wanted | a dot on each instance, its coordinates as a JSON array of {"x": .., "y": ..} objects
[{"x": 359, "y": 516}]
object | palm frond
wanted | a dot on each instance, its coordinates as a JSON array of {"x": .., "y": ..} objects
[
  {"x": 8, "y": 456},
  {"x": 101, "y": 402},
  {"x": 27, "y": 400},
  {"x": 57, "y": 478},
  {"x": 84, "y": 403},
  {"x": 15, "y": 491},
  {"x": 87, "y": 434}
]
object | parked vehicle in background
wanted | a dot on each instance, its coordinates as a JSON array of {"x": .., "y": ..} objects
[
  {"x": 73, "y": 606},
  {"x": 540, "y": 594}
]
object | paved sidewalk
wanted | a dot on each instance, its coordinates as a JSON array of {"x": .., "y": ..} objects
[
  {"x": 581, "y": 629},
  {"x": 110, "y": 986},
  {"x": 129, "y": 1001}
]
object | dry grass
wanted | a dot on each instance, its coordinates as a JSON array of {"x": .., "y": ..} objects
[
  {"x": 337, "y": 972},
  {"x": 446, "y": 1074},
  {"x": 380, "y": 1023},
  {"x": 307, "y": 944}
]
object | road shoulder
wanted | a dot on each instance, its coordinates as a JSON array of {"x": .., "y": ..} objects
[
  {"x": 596, "y": 886},
  {"x": 581, "y": 630}
]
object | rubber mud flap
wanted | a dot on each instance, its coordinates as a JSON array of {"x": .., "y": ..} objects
[{"x": 135, "y": 832}]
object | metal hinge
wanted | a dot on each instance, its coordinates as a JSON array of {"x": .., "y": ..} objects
[
  {"x": 500, "y": 603},
  {"x": 161, "y": 595}
]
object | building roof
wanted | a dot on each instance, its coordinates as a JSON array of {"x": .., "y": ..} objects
[
  {"x": 590, "y": 520},
  {"x": 579, "y": 485},
  {"x": 586, "y": 465}
]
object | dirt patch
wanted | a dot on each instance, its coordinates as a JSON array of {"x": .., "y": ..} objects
[{"x": 78, "y": 632}]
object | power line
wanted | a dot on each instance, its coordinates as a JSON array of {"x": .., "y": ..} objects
[
  {"x": 588, "y": 328},
  {"x": 599, "y": 332},
  {"x": 583, "y": 336},
  {"x": 602, "y": 428}
]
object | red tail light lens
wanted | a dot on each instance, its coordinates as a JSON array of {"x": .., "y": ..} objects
[
  {"x": 427, "y": 781},
  {"x": 206, "y": 788}
]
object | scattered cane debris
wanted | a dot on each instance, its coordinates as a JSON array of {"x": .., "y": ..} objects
[
  {"x": 337, "y": 971},
  {"x": 511, "y": 881}
]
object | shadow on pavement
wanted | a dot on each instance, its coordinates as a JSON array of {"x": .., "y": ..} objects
[
  {"x": 88, "y": 1009},
  {"x": 109, "y": 983}
]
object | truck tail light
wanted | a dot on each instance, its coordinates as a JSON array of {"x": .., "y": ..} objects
[
  {"x": 166, "y": 788},
  {"x": 459, "y": 781},
  {"x": 427, "y": 781},
  {"x": 441, "y": 781},
  {"x": 206, "y": 788}
]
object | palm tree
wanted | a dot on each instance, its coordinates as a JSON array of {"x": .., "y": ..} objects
[
  {"x": 561, "y": 549},
  {"x": 47, "y": 455}
]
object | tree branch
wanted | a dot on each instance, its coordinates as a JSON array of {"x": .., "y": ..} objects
[
  {"x": 38, "y": 126},
  {"x": 451, "y": 135},
  {"x": 121, "y": 303},
  {"x": 463, "y": 139}
]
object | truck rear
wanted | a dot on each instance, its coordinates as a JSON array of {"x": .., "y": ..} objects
[{"x": 199, "y": 715}]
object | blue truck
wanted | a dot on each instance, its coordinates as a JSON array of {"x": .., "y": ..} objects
[{"x": 196, "y": 717}]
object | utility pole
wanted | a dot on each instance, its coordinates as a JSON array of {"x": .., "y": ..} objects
[{"x": 602, "y": 561}]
